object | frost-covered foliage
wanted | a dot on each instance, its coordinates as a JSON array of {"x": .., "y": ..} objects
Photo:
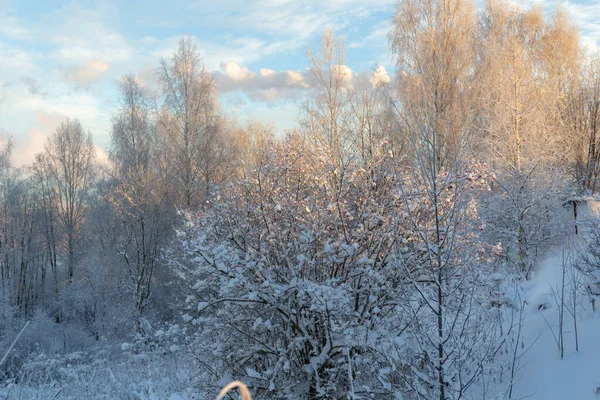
[
  {"x": 295, "y": 287},
  {"x": 589, "y": 259},
  {"x": 314, "y": 280},
  {"x": 525, "y": 212},
  {"x": 449, "y": 298},
  {"x": 157, "y": 368}
]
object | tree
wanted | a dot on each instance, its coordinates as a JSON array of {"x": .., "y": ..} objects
[
  {"x": 290, "y": 285},
  {"x": 250, "y": 142},
  {"x": 132, "y": 131},
  {"x": 432, "y": 41},
  {"x": 141, "y": 207},
  {"x": 22, "y": 251},
  {"x": 326, "y": 112},
  {"x": 583, "y": 117},
  {"x": 522, "y": 134},
  {"x": 194, "y": 154},
  {"x": 44, "y": 185},
  {"x": 69, "y": 158},
  {"x": 444, "y": 262}
]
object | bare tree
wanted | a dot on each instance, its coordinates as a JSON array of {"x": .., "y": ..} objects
[
  {"x": 69, "y": 154},
  {"x": 583, "y": 118},
  {"x": 193, "y": 151},
  {"x": 22, "y": 252},
  {"x": 140, "y": 205},
  {"x": 433, "y": 41},
  {"x": 325, "y": 118},
  {"x": 132, "y": 131},
  {"x": 526, "y": 87},
  {"x": 44, "y": 184}
]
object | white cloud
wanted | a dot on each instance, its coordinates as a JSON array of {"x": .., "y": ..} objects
[
  {"x": 27, "y": 148},
  {"x": 13, "y": 27},
  {"x": 269, "y": 85},
  {"x": 586, "y": 18},
  {"x": 380, "y": 77},
  {"x": 101, "y": 155},
  {"x": 80, "y": 34},
  {"x": 15, "y": 62},
  {"x": 32, "y": 143},
  {"x": 85, "y": 74},
  {"x": 149, "y": 78},
  {"x": 343, "y": 73},
  {"x": 294, "y": 21},
  {"x": 237, "y": 72},
  {"x": 266, "y": 72},
  {"x": 376, "y": 38},
  {"x": 295, "y": 79},
  {"x": 33, "y": 86},
  {"x": 266, "y": 86}
]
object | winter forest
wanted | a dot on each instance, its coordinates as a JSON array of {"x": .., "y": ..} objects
[{"x": 429, "y": 235}]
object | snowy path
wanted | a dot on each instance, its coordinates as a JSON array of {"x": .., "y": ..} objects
[{"x": 543, "y": 376}]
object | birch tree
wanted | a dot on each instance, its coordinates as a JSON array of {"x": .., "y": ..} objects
[
  {"x": 69, "y": 154},
  {"x": 522, "y": 125},
  {"x": 432, "y": 41},
  {"x": 194, "y": 154},
  {"x": 140, "y": 205}
]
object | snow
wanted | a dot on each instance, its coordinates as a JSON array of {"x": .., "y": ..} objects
[{"x": 543, "y": 375}]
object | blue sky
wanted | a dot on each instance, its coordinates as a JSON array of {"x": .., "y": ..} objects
[{"x": 63, "y": 59}]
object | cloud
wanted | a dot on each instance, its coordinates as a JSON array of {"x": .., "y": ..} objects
[
  {"x": 237, "y": 77},
  {"x": 343, "y": 73},
  {"x": 585, "y": 16},
  {"x": 380, "y": 77},
  {"x": 293, "y": 22},
  {"x": 12, "y": 27},
  {"x": 79, "y": 34},
  {"x": 294, "y": 79},
  {"x": 266, "y": 72},
  {"x": 26, "y": 148},
  {"x": 101, "y": 155},
  {"x": 85, "y": 74},
  {"x": 149, "y": 78},
  {"x": 269, "y": 85},
  {"x": 217, "y": 52},
  {"x": 15, "y": 61},
  {"x": 33, "y": 86},
  {"x": 266, "y": 86},
  {"x": 237, "y": 72}
]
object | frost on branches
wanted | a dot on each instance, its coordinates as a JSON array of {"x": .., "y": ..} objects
[{"x": 309, "y": 280}]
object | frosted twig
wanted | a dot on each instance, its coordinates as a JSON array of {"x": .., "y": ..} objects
[{"x": 13, "y": 344}]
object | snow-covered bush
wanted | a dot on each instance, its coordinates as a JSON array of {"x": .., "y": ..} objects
[
  {"x": 589, "y": 259},
  {"x": 306, "y": 286},
  {"x": 525, "y": 213},
  {"x": 291, "y": 285},
  {"x": 156, "y": 370}
]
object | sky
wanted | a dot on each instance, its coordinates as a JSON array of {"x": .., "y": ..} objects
[{"x": 62, "y": 59}]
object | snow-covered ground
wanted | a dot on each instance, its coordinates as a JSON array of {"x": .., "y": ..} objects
[{"x": 543, "y": 375}]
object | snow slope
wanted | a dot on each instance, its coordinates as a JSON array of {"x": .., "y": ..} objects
[{"x": 543, "y": 375}]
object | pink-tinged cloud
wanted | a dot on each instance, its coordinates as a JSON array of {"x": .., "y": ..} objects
[
  {"x": 380, "y": 77},
  {"x": 236, "y": 72},
  {"x": 27, "y": 148},
  {"x": 84, "y": 75},
  {"x": 269, "y": 86}
]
